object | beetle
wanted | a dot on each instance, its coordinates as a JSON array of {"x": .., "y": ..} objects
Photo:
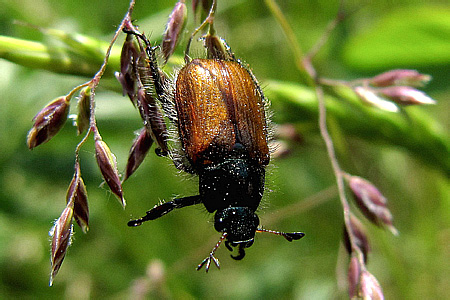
[{"x": 219, "y": 111}]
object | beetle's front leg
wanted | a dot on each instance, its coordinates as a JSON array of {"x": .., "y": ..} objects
[{"x": 161, "y": 210}]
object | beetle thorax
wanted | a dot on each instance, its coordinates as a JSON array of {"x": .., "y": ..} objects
[{"x": 236, "y": 182}]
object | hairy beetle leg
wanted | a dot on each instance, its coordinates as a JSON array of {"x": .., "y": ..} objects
[{"x": 165, "y": 208}]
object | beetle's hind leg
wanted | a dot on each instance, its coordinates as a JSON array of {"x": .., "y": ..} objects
[
  {"x": 161, "y": 210},
  {"x": 153, "y": 64}
]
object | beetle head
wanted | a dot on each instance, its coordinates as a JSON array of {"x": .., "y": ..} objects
[{"x": 240, "y": 224}]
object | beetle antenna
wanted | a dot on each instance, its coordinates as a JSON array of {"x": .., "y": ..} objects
[
  {"x": 210, "y": 257},
  {"x": 290, "y": 236}
]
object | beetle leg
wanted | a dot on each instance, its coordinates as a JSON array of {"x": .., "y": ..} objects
[
  {"x": 207, "y": 260},
  {"x": 154, "y": 69},
  {"x": 161, "y": 210},
  {"x": 153, "y": 117}
]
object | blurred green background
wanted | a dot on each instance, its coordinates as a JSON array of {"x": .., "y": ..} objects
[{"x": 159, "y": 258}]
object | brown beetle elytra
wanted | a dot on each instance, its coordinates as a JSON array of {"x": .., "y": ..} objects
[
  {"x": 219, "y": 105},
  {"x": 222, "y": 128}
]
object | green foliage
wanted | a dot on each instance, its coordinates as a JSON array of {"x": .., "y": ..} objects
[
  {"x": 422, "y": 30},
  {"x": 108, "y": 261}
]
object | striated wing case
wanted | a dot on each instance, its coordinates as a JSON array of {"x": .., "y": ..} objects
[{"x": 219, "y": 106}]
